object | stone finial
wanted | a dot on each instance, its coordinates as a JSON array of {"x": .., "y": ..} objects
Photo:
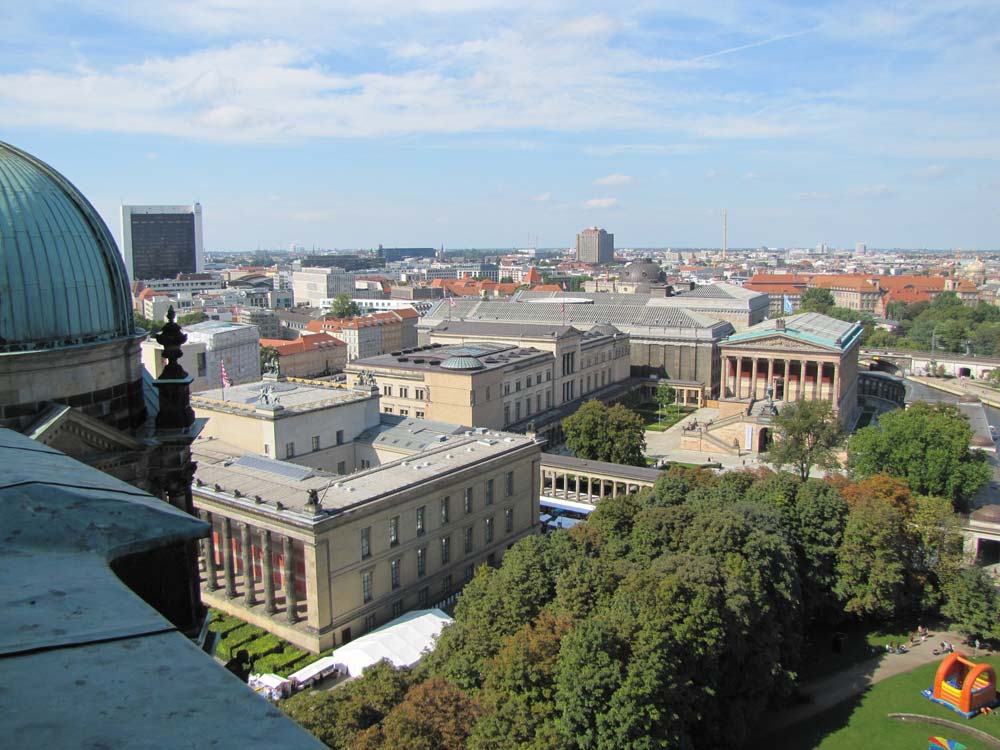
[
  {"x": 174, "y": 384},
  {"x": 313, "y": 500}
]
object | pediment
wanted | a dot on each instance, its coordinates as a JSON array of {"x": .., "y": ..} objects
[
  {"x": 779, "y": 343},
  {"x": 79, "y": 435}
]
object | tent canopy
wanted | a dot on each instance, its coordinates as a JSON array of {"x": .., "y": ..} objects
[{"x": 401, "y": 642}]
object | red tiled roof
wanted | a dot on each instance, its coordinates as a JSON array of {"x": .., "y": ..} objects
[
  {"x": 304, "y": 344},
  {"x": 789, "y": 289},
  {"x": 547, "y": 288}
]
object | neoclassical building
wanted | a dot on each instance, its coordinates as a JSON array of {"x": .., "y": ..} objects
[{"x": 802, "y": 357}]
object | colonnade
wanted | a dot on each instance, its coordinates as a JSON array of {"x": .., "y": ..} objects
[
  {"x": 581, "y": 487},
  {"x": 251, "y": 538},
  {"x": 742, "y": 378}
]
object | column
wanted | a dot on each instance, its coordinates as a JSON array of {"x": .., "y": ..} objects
[
  {"x": 770, "y": 375},
  {"x": 819, "y": 375},
  {"x": 739, "y": 376},
  {"x": 288, "y": 578},
  {"x": 267, "y": 571},
  {"x": 208, "y": 551},
  {"x": 614, "y": 488},
  {"x": 576, "y": 485},
  {"x": 725, "y": 377},
  {"x": 788, "y": 380},
  {"x": 836, "y": 386},
  {"x": 590, "y": 491},
  {"x": 753, "y": 379},
  {"x": 802, "y": 381},
  {"x": 227, "y": 558},
  {"x": 249, "y": 595}
]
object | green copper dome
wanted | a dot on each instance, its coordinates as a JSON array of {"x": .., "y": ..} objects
[{"x": 62, "y": 280}]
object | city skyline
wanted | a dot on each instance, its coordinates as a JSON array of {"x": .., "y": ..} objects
[{"x": 507, "y": 124}]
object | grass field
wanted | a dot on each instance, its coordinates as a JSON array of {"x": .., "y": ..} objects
[
  {"x": 863, "y": 722},
  {"x": 656, "y": 422},
  {"x": 819, "y": 657}
]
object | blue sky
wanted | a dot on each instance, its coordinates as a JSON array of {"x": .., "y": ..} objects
[{"x": 489, "y": 123}]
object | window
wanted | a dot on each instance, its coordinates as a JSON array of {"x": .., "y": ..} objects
[
  {"x": 548, "y": 399},
  {"x": 506, "y": 414},
  {"x": 366, "y": 586},
  {"x": 517, "y": 385},
  {"x": 366, "y": 542},
  {"x": 468, "y": 500},
  {"x": 404, "y": 392},
  {"x": 419, "y": 414},
  {"x": 404, "y": 412},
  {"x": 446, "y": 585},
  {"x": 397, "y": 608},
  {"x": 468, "y": 540},
  {"x": 470, "y": 571},
  {"x": 202, "y": 365},
  {"x": 420, "y": 520},
  {"x": 386, "y": 390},
  {"x": 420, "y": 394},
  {"x": 487, "y": 393},
  {"x": 491, "y": 560},
  {"x": 517, "y": 410},
  {"x": 445, "y": 550},
  {"x": 315, "y": 442},
  {"x": 340, "y": 437},
  {"x": 341, "y": 467},
  {"x": 394, "y": 531},
  {"x": 538, "y": 378},
  {"x": 369, "y": 622},
  {"x": 394, "y": 572},
  {"x": 289, "y": 450},
  {"x": 489, "y": 492},
  {"x": 422, "y": 561},
  {"x": 422, "y": 596},
  {"x": 538, "y": 402},
  {"x": 472, "y": 397},
  {"x": 548, "y": 375},
  {"x": 489, "y": 529},
  {"x": 509, "y": 484},
  {"x": 267, "y": 449},
  {"x": 568, "y": 365},
  {"x": 445, "y": 509},
  {"x": 387, "y": 410},
  {"x": 509, "y": 519},
  {"x": 506, "y": 389}
]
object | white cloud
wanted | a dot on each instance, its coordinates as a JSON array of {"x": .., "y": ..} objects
[
  {"x": 872, "y": 191},
  {"x": 613, "y": 180},
  {"x": 814, "y": 196},
  {"x": 542, "y": 197},
  {"x": 152, "y": 155},
  {"x": 713, "y": 174},
  {"x": 934, "y": 172},
  {"x": 652, "y": 149},
  {"x": 601, "y": 203}
]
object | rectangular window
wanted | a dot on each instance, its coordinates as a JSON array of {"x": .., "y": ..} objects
[
  {"x": 387, "y": 410},
  {"x": 366, "y": 542},
  {"x": 394, "y": 531},
  {"x": 315, "y": 442},
  {"x": 420, "y": 394},
  {"x": 289, "y": 450},
  {"x": 386, "y": 390},
  {"x": 394, "y": 572},
  {"x": 517, "y": 385},
  {"x": 468, "y": 500},
  {"x": 489, "y": 492},
  {"x": 419, "y": 414},
  {"x": 487, "y": 393},
  {"x": 470, "y": 571},
  {"x": 397, "y": 608},
  {"x": 341, "y": 467},
  {"x": 446, "y": 585},
  {"x": 538, "y": 402},
  {"x": 445, "y": 509},
  {"x": 506, "y": 389},
  {"x": 468, "y": 540},
  {"x": 548, "y": 399},
  {"x": 422, "y": 561},
  {"x": 423, "y": 595},
  {"x": 491, "y": 559},
  {"x": 420, "y": 520},
  {"x": 267, "y": 449},
  {"x": 202, "y": 365},
  {"x": 340, "y": 437},
  {"x": 404, "y": 392},
  {"x": 445, "y": 550},
  {"x": 506, "y": 414},
  {"x": 489, "y": 530},
  {"x": 369, "y": 622},
  {"x": 366, "y": 586},
  {"x": 472, "y": 397},
  {"x": 404, "y": 412},
  {"x": 509, "y": 484},
  {"x": 509, "y": 519},
  {"x": 517, "y": 411}
]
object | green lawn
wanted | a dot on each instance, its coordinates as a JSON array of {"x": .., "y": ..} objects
[
  {"x": 656, "y": 422},
  {"x": 819, "y": 657},
  {"x": 863, "y": 721}
]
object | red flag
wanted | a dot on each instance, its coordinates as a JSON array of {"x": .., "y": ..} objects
[
  {"x": 451, "y": 301},
  {"x": 564, "y": 307},
  {"x": 226, "y": 383}
]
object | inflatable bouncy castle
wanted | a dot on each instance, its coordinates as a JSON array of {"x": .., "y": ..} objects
[{"x": 964, "y": 686}]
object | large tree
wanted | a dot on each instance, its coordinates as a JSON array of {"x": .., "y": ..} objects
[
  {"x": 615, "y": 435},
  {"x": 972, "y": 603},
  {"x": 816, "y": 300},
  {"x": 809, "y": 434},
  {"x": 344, "y": 307},
  {"x": 928, "y": 446}
]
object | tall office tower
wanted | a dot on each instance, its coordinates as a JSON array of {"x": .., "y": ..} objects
[
  {"x": 595, "y": 246},
  {"x": 861, "y": 249},
  {"x": 159, "y": 242}
]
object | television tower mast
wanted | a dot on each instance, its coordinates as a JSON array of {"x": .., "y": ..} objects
[{"x": 724, "y": 234}]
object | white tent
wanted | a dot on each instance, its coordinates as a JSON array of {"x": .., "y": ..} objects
[
  {"x": 315, "y": 671},
  {"x": 402, "y": 642}
]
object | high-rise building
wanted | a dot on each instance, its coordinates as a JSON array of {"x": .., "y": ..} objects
[
  {"x": 159, "y": 242},
  {"x": 595, "y": 246}
]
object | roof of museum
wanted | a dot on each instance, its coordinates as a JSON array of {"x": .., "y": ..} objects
[
  {"x": 812, "y": 328},
  {"x": 434, "y": 449},
  {"x": 64, "y": 280},
  {"x": 294, "y": 395},
  {"x": 470, "y": 356}
]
